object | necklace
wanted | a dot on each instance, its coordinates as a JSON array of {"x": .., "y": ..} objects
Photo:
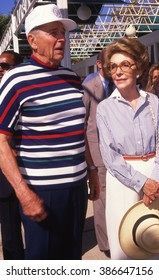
[{"x": 154, "y": 123}]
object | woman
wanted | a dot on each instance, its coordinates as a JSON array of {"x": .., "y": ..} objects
[
  {"x": 127, "y": 123},
  {"x": 153, "y": 79}
]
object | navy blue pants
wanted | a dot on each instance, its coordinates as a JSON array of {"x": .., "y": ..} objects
[
  {"x": 59, "y": 236},
  {"x": 12, "y": 243}
]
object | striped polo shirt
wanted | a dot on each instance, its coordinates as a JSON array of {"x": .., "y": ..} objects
[{"x": 42, "y": 108}]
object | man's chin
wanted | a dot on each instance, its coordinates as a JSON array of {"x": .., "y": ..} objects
[{"x": 58, "y": 58}]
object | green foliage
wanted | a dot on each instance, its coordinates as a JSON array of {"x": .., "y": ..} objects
[{"x": 3, "y": 23}]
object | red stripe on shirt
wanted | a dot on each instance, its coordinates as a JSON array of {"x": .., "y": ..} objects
[
  {"x": 60, "y": 135},
  {"x": 30, "y": 88}
]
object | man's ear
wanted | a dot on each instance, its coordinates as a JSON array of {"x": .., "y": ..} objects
[
  {"x": 99, "y": 64},
  {"x": 32, "y": 41}
]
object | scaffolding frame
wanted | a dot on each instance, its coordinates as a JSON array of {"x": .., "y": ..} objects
[{"x": 89, "y": 39}]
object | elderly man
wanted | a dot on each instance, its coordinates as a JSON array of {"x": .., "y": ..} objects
[{"x": 41, "y": 106}]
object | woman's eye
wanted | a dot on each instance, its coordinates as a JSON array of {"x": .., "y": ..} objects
[
  {"x": 113, "y": 66},
  {"x": 126, "y": 65}
]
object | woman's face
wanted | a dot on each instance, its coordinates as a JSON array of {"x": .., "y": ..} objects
[
  {"x": 155, "y": 80},
  {"x": 123, "y": 71}
]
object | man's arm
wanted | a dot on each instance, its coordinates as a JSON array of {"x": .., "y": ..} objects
[{"x": 31, "y": 204}]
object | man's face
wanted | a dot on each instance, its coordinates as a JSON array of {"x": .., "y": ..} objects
[
  {"x": 6, "y": 62},
  {"x": 48, "y": 42}
]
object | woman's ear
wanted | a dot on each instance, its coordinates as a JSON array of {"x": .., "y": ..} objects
[{"x": 139, "y": 73}]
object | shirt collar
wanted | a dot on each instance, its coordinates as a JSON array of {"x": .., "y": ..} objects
[{"x": 117, "y": 94}]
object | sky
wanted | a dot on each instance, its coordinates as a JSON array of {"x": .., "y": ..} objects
[{"x": 6, "y": 6}]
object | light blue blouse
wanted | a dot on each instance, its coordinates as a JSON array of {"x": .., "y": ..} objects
[{"x": 123, "y": 131}]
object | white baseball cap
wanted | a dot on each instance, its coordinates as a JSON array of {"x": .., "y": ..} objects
[{"x": 43, "y": 14}]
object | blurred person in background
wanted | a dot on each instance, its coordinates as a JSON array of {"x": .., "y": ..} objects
[
  {"x": 11, "y": 231},
  {"x": 8, "y": 59},
  {"x": 97, "y": 87},
  {"x": 153, "y": 79}
]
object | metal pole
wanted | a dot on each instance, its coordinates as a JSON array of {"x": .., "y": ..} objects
[
  {"x": 63, "y": 6},
  {"x": 15, "y": 36},
  {"x": 156, "y": 52}
]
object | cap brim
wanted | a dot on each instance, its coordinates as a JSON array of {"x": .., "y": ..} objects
[
  {"x": 126, "y": 227},
  {"x": 69, "y": 24}
]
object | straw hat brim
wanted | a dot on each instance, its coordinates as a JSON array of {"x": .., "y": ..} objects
[{"x": 136, "y": 213}]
